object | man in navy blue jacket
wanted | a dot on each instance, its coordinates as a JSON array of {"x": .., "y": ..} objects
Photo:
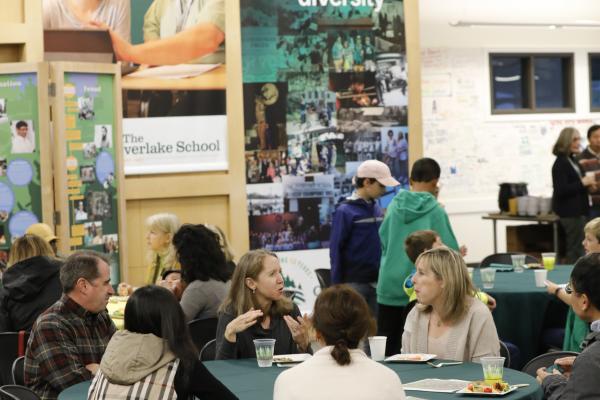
[{"x": 354, "y": 245}]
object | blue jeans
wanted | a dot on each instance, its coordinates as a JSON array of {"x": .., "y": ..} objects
[{"x": 367, "y": 290}]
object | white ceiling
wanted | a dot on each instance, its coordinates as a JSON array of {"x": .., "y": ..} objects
[
  {"x": 565, "y": 11},
  {"x": 435, "y": 17}
]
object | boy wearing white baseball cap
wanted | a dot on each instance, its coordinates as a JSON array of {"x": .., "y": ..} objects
[{"x": 354, "y": 245}]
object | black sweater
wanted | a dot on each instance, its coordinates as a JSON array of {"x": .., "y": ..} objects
[
  {"x": 29, "y": 288},
  {"x": 201, "y": 384},
  {"x": 570, "y": 197}
]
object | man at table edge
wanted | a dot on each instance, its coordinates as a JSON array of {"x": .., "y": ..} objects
[
  {"x": 68, "y": 340},
  {"x": 579, "y": 380}
]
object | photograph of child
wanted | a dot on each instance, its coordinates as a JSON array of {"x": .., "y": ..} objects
[{"x": 23, "y": 137}]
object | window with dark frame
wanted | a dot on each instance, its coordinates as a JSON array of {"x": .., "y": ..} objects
[
  {"x": 594, "y": 66},
  {"x": 533, "y": 83}
]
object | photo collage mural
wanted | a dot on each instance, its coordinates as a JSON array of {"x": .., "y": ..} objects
[{"x": 325, "y": 88}]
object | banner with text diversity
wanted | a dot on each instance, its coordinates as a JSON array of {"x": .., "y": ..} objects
[{"x": 325, "y": 88}]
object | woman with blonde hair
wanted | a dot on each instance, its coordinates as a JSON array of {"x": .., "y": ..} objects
[
  {"x": 255, "y": 308},
  {"x": 161, "y": 254},
  {"x": 448, "y": 321},
  {"x": 30, "y": 284},
  {"x": 570, "y": 200}
]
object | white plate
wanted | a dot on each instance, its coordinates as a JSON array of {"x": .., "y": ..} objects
[
  {"x": 410, "y": 358},
  {"x": 291, "y": 358},
  {"x": 467, "y": 392}
]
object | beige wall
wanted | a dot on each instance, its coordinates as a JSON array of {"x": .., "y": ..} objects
[
  {"x": 413, "y": 51},
  {"x": 21, "y": 31}
]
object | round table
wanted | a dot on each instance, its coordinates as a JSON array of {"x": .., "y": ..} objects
[
  {"x": 249, "y": 382},
  {"x": 521, "y": 306}
]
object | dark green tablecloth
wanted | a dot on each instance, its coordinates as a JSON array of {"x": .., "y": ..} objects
[
  {"x": 249, "y": 382},
  {"x": 521, "y": 306}
]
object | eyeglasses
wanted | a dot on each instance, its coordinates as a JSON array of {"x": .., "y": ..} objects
[{"x": 568, "y": 288}]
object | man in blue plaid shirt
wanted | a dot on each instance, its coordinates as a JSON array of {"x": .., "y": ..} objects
[{"x": 68, "y": 340}]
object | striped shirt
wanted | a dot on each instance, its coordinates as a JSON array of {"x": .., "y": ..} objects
[{"x": 64, "y": 339}]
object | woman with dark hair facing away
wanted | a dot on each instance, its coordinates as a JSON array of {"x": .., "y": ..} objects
[
  {"x": 154, "y": 357},
  {"x": 340, "y": 370},
  {"x": 255, "y": 308},
  {"x": 204, "y": 270},
  {"x": 570, "y": 200},
  {"x": 30, "y": 284}
]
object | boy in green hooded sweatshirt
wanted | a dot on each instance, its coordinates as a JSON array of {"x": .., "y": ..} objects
[{"x": 409, "y": 211}]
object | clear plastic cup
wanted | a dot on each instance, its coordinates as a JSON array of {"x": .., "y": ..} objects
[
  {"x": 493, "y": 369},
  {"x": 470, "y": 270},
  {"x": 264, "y": 351},
  {"x": 377, "y": 347},
  {"x": 548, "y": 260},
  {"x": 518, "y": 261},
  {"x": 488, "y": 275}
]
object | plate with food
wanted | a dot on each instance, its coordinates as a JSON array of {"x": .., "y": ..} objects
[
  {"x": 533, "y": 266},
  {"x": 291, "y": 358},
  {"x": 481, "y": 388},
  {"x": 410, "y": 358}
]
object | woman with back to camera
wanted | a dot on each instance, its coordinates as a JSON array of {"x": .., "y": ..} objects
[
  {"x": 154, "y": 357},
  {"x": 161, "y": 253},
  {"x": 255, "y": 308},
  {"x": 203, "y": 268},
  {"x": 30, "y": 284},
  {"x": 570, "y": 200},
  {"x": 340, "y": 370},
  {"x": 448, "y": 321}
]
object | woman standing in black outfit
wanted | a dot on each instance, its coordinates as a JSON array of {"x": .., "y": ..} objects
[{"x": 570, "y": 200}]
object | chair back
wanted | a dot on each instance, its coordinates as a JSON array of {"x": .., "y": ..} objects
[
  {"x": 324, "y": 277},
  {"x": 505, "y": 353},
  {"x": 545, "y": 360},
  {"x": 504, "y": 258},
  {"x": 17, "y": 392},
  {"x": 12, "y": 345},
  {"x": 18, "y": 371},
  {"x": 209, "y": 351},
  {"x": 202, "y": 331}
]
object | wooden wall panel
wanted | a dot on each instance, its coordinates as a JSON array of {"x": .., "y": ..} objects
[
  {"x": 198, "y": 210},
  {"x": 413, "y": 51},
  {"x": 21, "y": 32}
]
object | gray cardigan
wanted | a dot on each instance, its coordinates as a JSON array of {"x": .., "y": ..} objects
[
  {"x": 583, "y": 383},
  {"x": 201, "y": 299},
  {"x": 244, "y": 345},
  {"x": 471, "y": 338}
]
